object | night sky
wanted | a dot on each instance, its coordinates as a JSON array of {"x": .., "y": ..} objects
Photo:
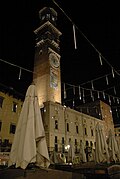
[{"x": 97, "y": 30}]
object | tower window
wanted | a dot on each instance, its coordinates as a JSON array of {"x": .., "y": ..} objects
[
  {"x": 56, "y": 144},
  {"x": 55, "y": 139},
  {"x": 87, "y": 144},
  {"x": 0, "y": 125},
  {"x": 1, "y": 101},
  {"x": 14, "y": 107},
  {"x": 67, "y": 127},
  {"x": 63, "y": 143},
  {"x": 48, "y": 15},
  {"x": 75, "y": 145},
  {"x": 85, "y": 130},
  {"x": 91, "y": 144},
  {"x": 77, "y": 130},
  {"x": 12, "y": 128},
  {"x": 91, "y": 132},
  {"x": 56, "y": 124}
]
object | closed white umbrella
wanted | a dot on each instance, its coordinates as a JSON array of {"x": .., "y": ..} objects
[
  {"x": 54, "y": 157},
  {"x": 82, "y": 153},
  {"x": 29, "y": 144},
  {"x": 101, "y": 148},
  {"x": 71, "y": 152},
  {"x": 113, "y": 147}
]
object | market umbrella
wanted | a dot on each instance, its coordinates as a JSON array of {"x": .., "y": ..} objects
[
  {"x": 113, "y": 147},
  {"x": 101, "y": 147},
  {"x": 55, "y": 158},
  {"x": 29, "y": 144},
  {"x": 71, "y": 152},
  {"x": 82, "y": 153}
]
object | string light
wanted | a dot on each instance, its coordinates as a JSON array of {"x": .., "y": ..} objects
[
  {"x": 98, "y": 94},
  {"x": 25, "y": 69},
  {"x": 80, "y": 97},
  {"x": 107, "y": 80},
  {"x": 100, "y": 55},
  {"x": 100, "y": 59},
  {"x": 65, "y": 95},
  {"x": 113, "y": 72},
  {"x": 114, "y": 90},
  {"x": 74, "y": 36},
  {"x": 19, "y": 74},
  {"x": 74, "y": 90},
  {"x": 92, "y": 85}
]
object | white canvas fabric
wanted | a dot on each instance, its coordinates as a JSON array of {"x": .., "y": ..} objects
[
  {"x": 101, "y": 148},
  {"x": 113, "y": 147},
  {"x": 82, "y": 154},
  {"x": 71, "y": 152},
  {"x": 29, "y": 144}
]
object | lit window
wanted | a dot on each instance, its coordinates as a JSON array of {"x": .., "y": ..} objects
[{"x": 14, "y": 107}]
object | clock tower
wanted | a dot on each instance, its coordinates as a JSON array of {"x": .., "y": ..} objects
[{"x": 47, "y": 74}]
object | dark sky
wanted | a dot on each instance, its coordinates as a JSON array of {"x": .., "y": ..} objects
[{"x": 97, "y": 30}]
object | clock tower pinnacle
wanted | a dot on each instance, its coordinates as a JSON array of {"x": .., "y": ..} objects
[{"x": 47, "y": 74}]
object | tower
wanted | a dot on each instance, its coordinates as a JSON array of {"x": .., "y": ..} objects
[{"x": 47, "y": 74}]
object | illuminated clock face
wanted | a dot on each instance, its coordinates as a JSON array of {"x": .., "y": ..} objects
[{"x": 54, "y": 61}]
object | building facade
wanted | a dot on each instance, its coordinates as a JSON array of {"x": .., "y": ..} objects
[
  {"x": 10, "y": 108},
  {"x": 62, "y": 124}
]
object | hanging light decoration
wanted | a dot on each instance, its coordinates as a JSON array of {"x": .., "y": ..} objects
[
  {"x": 113, "y": 99},
  {"x": 19, "y": 74},
  {"x": 118, "y": 101},
  {"x": 65, "y": 95},
  {"x": 103, "y": 94},
  {"x": 109, "y": 100},
  {"x": 100, "y": 59},
  {"x": 114, "y": 90},
  {"x": 83, "y": 100},
  {"x": 117, "y": 112},
  {"x": 107, "y": 80},
  {"x": 91, "y": 94},
  {"x": 113, "y": 73},
  {"x": 74, "y": 34},
  {"x": 83, "y": 96},
  {"x": 80, "y": 97},
  {"x": 98, "y": 95},
  {"x": 73, "y": 102},
  {"x": 92, "y": 85}
]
